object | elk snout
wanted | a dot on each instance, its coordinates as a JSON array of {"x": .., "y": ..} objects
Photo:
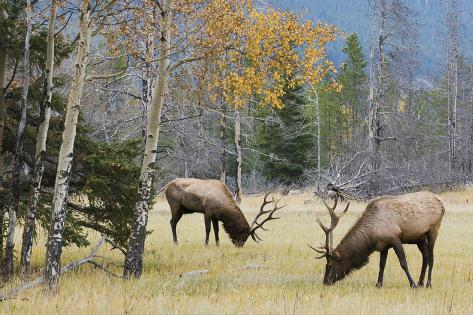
[{"x": 328, "y": 278}]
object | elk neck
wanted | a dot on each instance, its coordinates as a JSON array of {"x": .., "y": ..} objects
[
  {"x": 235, "y": 224},
  {"x": 356, "y": 247}
]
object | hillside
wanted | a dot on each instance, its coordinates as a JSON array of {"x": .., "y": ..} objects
[{"x": 353, "y": 16}]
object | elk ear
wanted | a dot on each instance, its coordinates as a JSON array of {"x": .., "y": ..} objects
[{"x": 336, "y": 256}]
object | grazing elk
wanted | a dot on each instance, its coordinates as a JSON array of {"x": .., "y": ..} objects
[
  {"x": 387, "y": 222},
  {"x": 214, "y": 200}
]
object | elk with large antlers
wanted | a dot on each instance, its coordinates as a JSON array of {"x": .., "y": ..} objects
[
  {"x": 214, "y": 200},
  {"x": 387, "y": 222}
]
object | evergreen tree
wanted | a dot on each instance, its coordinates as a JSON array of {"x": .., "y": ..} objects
[
  {"x": 286, "y": 139},
  {"x": 351, "y": 102}
]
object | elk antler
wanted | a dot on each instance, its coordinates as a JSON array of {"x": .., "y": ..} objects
[
  {"x": 256, "y": 225},
  {"x": 326, "y": 249}
]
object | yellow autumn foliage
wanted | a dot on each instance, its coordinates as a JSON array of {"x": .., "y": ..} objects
[{"x": 253, "y": 52}]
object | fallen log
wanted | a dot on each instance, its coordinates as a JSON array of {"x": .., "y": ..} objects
[{"x": 70, "y": 266}]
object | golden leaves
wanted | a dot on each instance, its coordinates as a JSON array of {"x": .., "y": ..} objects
[
  {"x": 270, "y": 51},
  {"x": 248, "y": 52}
]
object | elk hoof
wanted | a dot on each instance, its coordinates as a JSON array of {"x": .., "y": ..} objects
[
  {"x": 379, "y": 285},
  {"x": 429, "y": 285},
  {"x": 420, "y": 284},
  {"x": 413, "y": 285}
]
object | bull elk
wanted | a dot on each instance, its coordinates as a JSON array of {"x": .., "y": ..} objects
[
  {"x": 387, "y": 222},
  {"x": 214, "y": 200}
]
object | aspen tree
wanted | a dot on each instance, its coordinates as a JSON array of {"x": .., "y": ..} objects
[
  {"x": 40, "y": 151},
  {"x": 61, "y": 187}
]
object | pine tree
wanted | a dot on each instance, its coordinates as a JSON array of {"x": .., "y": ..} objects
[
  {"x": 351, "y": 102},
  {"x": 286, "y": 139}
]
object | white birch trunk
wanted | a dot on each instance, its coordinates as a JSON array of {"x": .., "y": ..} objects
[
  {"x": 16, "y": 178},
  {"x": 238, "y": 191},
  {"x": 41, "y": 137},
  {"x": 55, "y": 237},
  {"x": 134, "y": 257}
]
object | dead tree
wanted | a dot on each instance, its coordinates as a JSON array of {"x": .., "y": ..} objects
[{"x": 452, "y": 47}]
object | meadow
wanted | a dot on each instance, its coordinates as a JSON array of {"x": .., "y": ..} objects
[{"x": 279, "y": 276}]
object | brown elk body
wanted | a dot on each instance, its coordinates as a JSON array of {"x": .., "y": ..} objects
[
  {"x": 387, "y": 222},
  {"x": 214, "y": 200}
]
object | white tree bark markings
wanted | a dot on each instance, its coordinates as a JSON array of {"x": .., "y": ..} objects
[
  {"x": 55, "y": 236},
  {"x": 45, "y": 114},
  {"x": 134, "y": 257}
]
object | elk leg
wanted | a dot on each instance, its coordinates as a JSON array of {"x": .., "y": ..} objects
[
  {"x": 422, "y": 245},
  {"x": 397, "y": 245},
  {"x": 431, "y": 237},
  {"x": 207, "y": 229},
  {"x": 215, "y": 225},
  {"x": 382, "y": 264},
  {"x": 175, "y": 218}
]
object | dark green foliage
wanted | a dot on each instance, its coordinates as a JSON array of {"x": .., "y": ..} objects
[
  {"x": 103, "y": 184},
  {"x": 342, "y": 114},
  {"x": 286, "y": 139},
  {"x": 110, "y": 186},
  {"x": 104, "y": 178},
  {"x": 349, "y": 106}
]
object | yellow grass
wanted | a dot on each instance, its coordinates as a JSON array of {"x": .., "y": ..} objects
[{"x": 289, "y": 283}]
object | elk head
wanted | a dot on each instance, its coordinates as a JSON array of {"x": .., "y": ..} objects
[
  {"x": 334, "y": 269},
  {"x": 259, "y": 225}
]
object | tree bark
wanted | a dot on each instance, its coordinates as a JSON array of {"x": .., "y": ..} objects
[
  {"x": 222, "y": 141},
  {"x": 41, "y": 137},
  {"x": 16, "y": 163},
  {"x": 134, "y": 257},
  {"x": 317, "y": 116},
  {"x": 375, "y": 96},
  {"x": 3, "y": 72},
  {"x": 55, "y": 236},
  {"x": 239, "y": 157},
  {"x": 453, "y": 33}
]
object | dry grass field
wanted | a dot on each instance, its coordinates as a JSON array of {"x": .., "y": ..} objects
[{"x": 288, "y": 280}]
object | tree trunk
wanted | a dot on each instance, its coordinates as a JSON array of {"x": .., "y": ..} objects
[
  {"x": 16, "y": 163},
  {"x": 376, "y": 95},
  {"x": 3, "y": 72},
  {"x": 41, "y": 137},
  {"x": 239, "y": 158},
  {"x": 453, "y": 33},
  {"x": 134, "y": 257},
  {"x": 222, "y": 141},
  {"x": 55, "y": 236},
  {"x": 317, "y": 115}
]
